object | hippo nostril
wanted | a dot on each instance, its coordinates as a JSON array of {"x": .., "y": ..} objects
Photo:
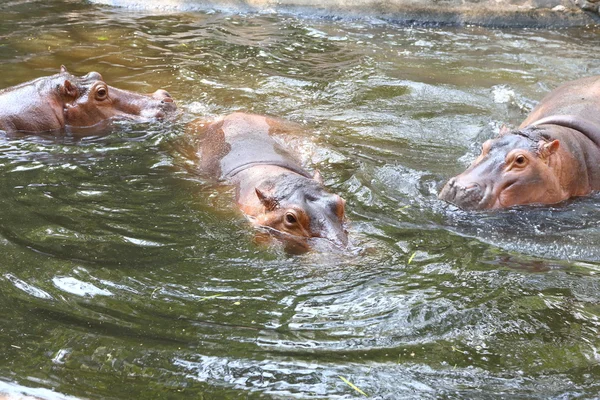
[
  {"x": 464, "y": 187},
  {"x": 167, "y": 100},
  {"x": 466, "y": 195}
]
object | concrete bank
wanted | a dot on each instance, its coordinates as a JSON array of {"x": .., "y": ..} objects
[{"x": 500, "y": 13}]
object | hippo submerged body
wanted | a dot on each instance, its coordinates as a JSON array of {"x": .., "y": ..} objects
[
  {"x": 64, "y": 101},
  {"x": 272, "y": 189},
  {"x": 553, "y": 155}
]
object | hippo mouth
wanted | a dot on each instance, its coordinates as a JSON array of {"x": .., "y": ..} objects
[
  {"x": 475, "y": 197},
  {"x": 293, "y": 244},
  {"x": 296, "y": 243},
  {"x": 147, "y": 115},
  {"x": 470, "y": 197},
  {"x": 161, "y": 111},
  {"x": 160, "y": 105},
  {"x": 338, "y": 240}
]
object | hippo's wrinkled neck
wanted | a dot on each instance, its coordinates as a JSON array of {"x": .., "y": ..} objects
[
  {"x": 278, "y": 163},
  {"x": 588, "y": 128}
]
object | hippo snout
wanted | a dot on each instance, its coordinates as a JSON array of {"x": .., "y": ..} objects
[
  {"x": 333, "y": 230},
  {"x": 165, "y": 106},
  {"x": 467, "y": 196}
]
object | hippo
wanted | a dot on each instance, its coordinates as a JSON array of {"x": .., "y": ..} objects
[
  {"x": 63, "y": 101},
  {"x": 271, "y": 187},
  {"x": 553, "y": 155}
]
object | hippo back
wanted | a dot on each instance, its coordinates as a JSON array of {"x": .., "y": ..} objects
[
  {"x": 33, "y": 105},
  {"x": 579, "y": 98},
  {"x": 240, "y": 141}
]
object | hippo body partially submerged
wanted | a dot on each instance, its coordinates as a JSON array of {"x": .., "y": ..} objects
[
  {"x": 553, "y": 155},
  {"x": 272, "y": 189},
  {"x": 64, "y": 101}
]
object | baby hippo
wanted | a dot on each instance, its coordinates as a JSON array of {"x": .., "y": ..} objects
[
  {"x": 63, "y": 101},
  {"x": 554, "y": 155},
  {"x": 272, "y": 189}
]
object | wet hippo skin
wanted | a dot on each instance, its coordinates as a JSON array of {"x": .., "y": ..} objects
[
  {"x": 272, "y": 189},
  {"x": 553, "y": 155},
  {"x": 63, "y": 101}
]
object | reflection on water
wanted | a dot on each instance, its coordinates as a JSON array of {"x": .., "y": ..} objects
[{"x": 123, "y": 275}]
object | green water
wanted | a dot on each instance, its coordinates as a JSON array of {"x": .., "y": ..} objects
[{"x": 123, "y": 276}]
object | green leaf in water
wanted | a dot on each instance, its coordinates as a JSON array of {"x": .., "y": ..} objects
[
  {"x": 154, "y": 291},
  {"x": 210, "y": 297},
  {"x": 411, "y": 257},
  {"x": 102, "y": 38},
  {"x": 352, "y": 385}
]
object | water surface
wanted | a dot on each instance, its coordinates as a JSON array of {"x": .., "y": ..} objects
[{"x": 124, "y": 276}]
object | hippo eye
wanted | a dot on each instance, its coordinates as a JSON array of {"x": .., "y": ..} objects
[
  {"x": 290, "y": 219},
  {"x": 520, "y": 160},
  {"x": 101, "y": 93}
]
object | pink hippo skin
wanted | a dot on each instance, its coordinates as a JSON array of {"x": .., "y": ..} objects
[
  {"x": 553, "y": 155},
  {"x": 63, "y": 101},
  {"x": 272, "y": 189}
]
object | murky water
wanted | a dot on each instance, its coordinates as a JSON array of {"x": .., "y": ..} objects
[{"x": 124, "y": 276}]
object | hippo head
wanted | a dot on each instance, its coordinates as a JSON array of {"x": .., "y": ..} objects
[
  {"x": 88, "y": 100},
  {"x": 514, "y": 168},
  {"x": 299, "y": 208}
]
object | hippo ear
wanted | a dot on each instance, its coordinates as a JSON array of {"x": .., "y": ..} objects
[
  {"x": 63, "y": 69},
  {"x": 504, "y": 129},
  {"x": 317, "y": 176},
  {"x": 69, "y": 89},
  {"x": 269, "y": 202},
  {"x": 546, "y": 149}
]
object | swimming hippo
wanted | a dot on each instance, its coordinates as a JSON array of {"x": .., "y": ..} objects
[
  {"x": 553, "y": 155},
  {"x": 272, "y": 189},
  {"x": 63, "y": 101}
]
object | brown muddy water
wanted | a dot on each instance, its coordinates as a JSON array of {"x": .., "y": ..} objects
[{"x": 123, "y": 276}]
